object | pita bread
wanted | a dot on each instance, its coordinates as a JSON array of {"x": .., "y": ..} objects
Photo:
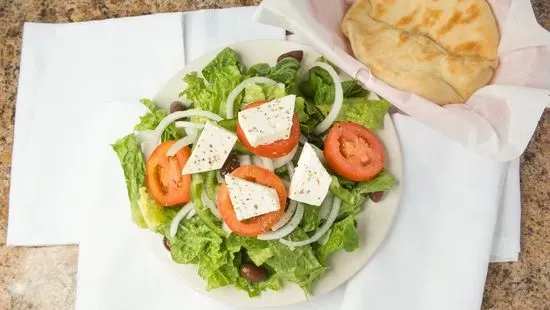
[{"x": 443, "y": 50}]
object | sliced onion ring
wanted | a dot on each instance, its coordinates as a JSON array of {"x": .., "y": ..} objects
[
  {"x": 239, "y": 88},
  {"x": 283, "y": 160},
  {"x": 210, "y": 204},
  {"x": 286, "y": 216},
  {"x": 181, "y": 143},
  {"x": 183, "y": 114},
  {"x": 244, "y": 160},
  {"x": 288, "y": 228},
  {"x": 177, "y": 219},
  {"x": 191, "y": 213},
  {"x": 267, "y": 163},
  {"x": 226, "y": 228},
  {"x": 184, "y": 124},
  {"x": 338, "y": 98},
  {"x": 323, "y": 230}
]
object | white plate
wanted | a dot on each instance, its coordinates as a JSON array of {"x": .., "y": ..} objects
[{"x": 373, "y": 223}]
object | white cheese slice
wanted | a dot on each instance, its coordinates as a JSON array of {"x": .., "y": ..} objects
[
  {"x": 311, "y": 181},
  {"x": 212, "y": 149},
  {"x": 270, "y": 122},
  {"x": 250, "y": 199}
]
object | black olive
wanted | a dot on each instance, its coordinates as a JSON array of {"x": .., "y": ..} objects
[
  {"x": 177, "y": 106},
  {"x": 376, "y": 196},
  {"x": 298, "y": 55},
  {"x": 230, "y": 164},
  {"x": 252, "y": 272},
  {"x": 166, "y": 243}
]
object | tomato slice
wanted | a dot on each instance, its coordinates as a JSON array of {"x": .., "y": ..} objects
[
  {"x": 163, "y": 178},
  {"x": 278, "y": 148},
  {"x": 259, "y": 224},
  {"x": 354, "y": 152}
]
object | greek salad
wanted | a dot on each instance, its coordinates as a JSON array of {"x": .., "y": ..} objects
[{"x": 258, "y": 173}]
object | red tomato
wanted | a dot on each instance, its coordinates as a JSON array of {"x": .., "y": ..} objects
[
  {"x": 278, "y": 148},
  {"x": 163, "y": 178},
  {"x": 354, "y": 152},
  {"x": 259, "y": 224}
]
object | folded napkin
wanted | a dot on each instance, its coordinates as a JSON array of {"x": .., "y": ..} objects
[
  {"x": 68, "y": 73},
  {"x": 435, "y": 257}
]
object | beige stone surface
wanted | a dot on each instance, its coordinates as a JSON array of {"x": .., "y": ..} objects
[{"x": 45, "y": 277}]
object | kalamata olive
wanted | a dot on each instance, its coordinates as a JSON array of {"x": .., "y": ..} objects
[
  {"x": 252, "y": 272},
  {"x": 166, "y": 243},
  {"x": 177, "y": 106},
  {"x": 376, "y": 196},
  {"x": 298, "y": 55},
  {"x": 230, "y": 164}
]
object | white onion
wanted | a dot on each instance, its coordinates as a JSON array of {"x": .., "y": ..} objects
[
  {"x": 267, "y": 163},
  {"x": 191, "y": 213},
  {"x": 325, "y": 206},
  {"x": 226, "y": 228},
  {"x": 323, "y": 230},
  {"x": 148, "y": 140},
  {"x": 182, "y": 114},
  {"x": 286, "y": 216},
  {"x": 290, "y": 169},
  {"x": 239, "y": 88},
  {"x": 244, "y": 160},
  {"x": 184, "y": 124},
  {"x": 338, "y": 98},
  {"x": 210, "y": 204},
  {"x": 183, "y": 142},
  {"x": 177, "y": 219},
  {"x": 287, "y": 229},
  {"x": 303, "y": 139},
  {"x": 257, "y": 161},
  {"x": 283, "y": 160}
]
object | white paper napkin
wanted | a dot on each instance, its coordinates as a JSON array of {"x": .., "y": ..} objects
[
  {"x": 435, "y": 257},
  {"x": 68, "y": 72}
]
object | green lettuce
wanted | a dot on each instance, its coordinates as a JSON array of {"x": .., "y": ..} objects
[
  {"x": 129, "y": 154},
  {"x": 382, "y": 182},
  {"x": 343, "y": 236},
  {"x": 156, "y": 217},
  {"x": 286, "y": 71},
  {"x": 151, "y": 119},
  {"x": 219, "y": 78},
  {"x": 310, "y": 219},
  {"x": 257, "y": 92},
  {"x": 369, "y": 113}
]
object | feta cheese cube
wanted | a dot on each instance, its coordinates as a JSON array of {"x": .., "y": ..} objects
[
  {"x": 311, "y": 181},
  {"x": 211, "y": 150},
  {"x": 270, "y": 122},
  {"x": 250, "y": 199}
]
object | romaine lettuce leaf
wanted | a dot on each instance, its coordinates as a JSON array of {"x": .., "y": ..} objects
[
  {"x": 156, "y": 216},
  {"x": 286, "y": 71},
  {"x": 343, "y": 236},
  {"x": 151, "y": 119},
  {"x": 129, "y": 154},
  {"x": 257, "y": 92},
  {"x": 369, "y": 113},
  {"x": 382, "y": 182},
  {"x": 310, "y": 220},
  {"x": 222, "y": 75}
]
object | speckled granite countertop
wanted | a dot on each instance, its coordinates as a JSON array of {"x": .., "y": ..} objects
[{"x": 45, "y": 277}]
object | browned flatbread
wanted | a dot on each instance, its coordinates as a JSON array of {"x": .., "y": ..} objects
[{"x": 443, "y": 50}]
